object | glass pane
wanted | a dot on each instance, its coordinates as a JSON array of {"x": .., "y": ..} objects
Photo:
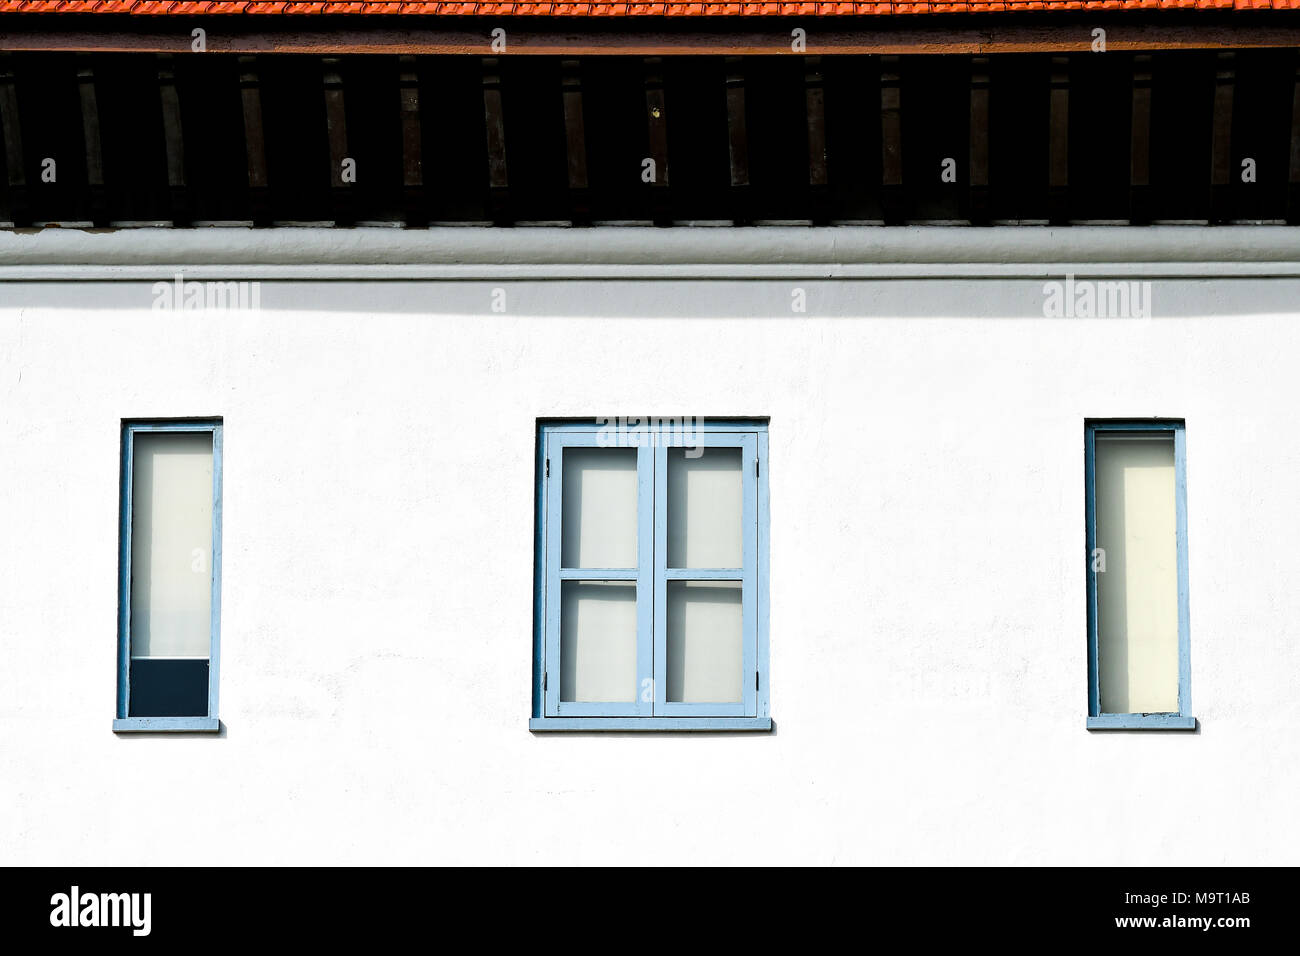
[
  {"x": 598, "y": 641},
  {"x": 171, "y": 574},
  {"x": 705, "y": 644},
  {"x": 1137, "y": 593},
  {"x": 705, "y": 508},
  {"x": 171, "y": 545},
  {"x": 599, "y": 522}
]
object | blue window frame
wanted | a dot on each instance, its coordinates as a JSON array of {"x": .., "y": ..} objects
[
  {"x": 1139, "y": 658},
  {"x": 169, "y": 576},
  {"x": 651, "y": 576}
]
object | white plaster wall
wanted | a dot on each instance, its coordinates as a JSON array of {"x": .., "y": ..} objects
[{"x": 927, "y": 587}]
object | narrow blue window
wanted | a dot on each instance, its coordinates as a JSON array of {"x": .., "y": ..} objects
[
  {"x": 651, "y": 603},
  {"x": 1139, "y": 660},
  {"x": 169, "y": 586}
]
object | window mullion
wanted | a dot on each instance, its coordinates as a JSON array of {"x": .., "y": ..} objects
[
  {"x": 1180, "y": 537},
  {"x": 1090, "y": 479},
  {"x": 554, "y": 521},
  {"x": 214, "y": 570},
  {"x": 749, "y": 580},
  {"x": 124, "y": 585},
  {"x": 648, "y": 588},
  {"x": 659, "y": 523}
]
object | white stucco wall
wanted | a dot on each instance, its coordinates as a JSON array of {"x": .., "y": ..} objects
[{"x": 927, "y": 590}]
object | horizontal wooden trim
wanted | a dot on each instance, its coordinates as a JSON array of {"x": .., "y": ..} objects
[
  {"x": 166, "y": 725},
  {"x": 638, "y": 724},
  {"x": 1142, "y": 722},
  {"x": 967, "y": 36}
]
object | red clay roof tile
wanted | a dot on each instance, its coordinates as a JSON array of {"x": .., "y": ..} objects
[{"x": 618, "y": 8}]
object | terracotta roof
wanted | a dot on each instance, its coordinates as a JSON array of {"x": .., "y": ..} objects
[{"x": 679, "y": 8}]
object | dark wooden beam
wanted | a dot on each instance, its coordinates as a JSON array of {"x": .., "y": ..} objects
[
  {"x": 737, "y": 140},
  {"x": 657, "y": 123},
  {"x": 1058, "y": 153},
  {"x": 250, "y": 92},
  {"x": 814, "y": 84},
  {"x": 1139, "y": 165},
  {"x": 173, "y": 140},
  {"x": 1055, "y": 32},
  {"x": 1225, "y": 78},
  {"x": 575, "y": 139},
  {"x": 891, "y": 139},
  {"x": 977, "y": 205},
  {"x": 494, "y": 118},
  {"x": 1293, "y": 170},
  {"x": 98, "y": 199},
  {"x": 16, "y": 209},
  {"x": 336, "y": 130},
  {"x": 413, "y": 198}
]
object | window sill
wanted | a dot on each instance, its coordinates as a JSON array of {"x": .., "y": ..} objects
[
  {"x": 1141, "y": 722},
  {"x": 164, "y": 725},
  {"x": 649, "y": 723}
]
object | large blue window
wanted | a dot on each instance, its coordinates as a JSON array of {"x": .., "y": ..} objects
[
  {"x": 651, "y": 602},
  {"x": 169, "y": 587},
  {"x": 1139, "y": 660}
]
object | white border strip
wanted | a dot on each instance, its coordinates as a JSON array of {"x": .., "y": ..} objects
[{"x": 634, "y": 252}]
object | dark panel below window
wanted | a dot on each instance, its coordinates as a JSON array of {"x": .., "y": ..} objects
[{"x": 169, "y": 688}]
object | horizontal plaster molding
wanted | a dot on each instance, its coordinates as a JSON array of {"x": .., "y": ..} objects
[{"x": 635, "y": 252}]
